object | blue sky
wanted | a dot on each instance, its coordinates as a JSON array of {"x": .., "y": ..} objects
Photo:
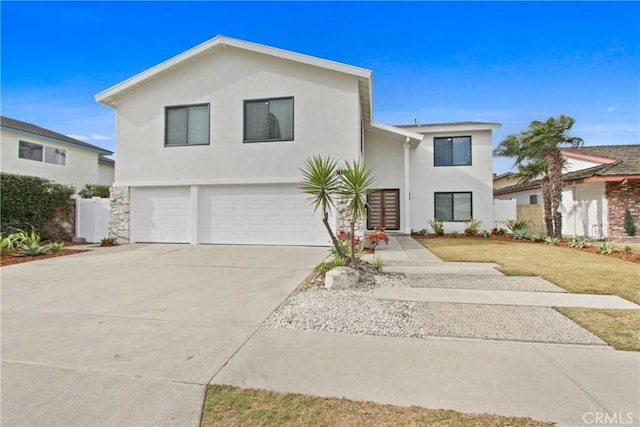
[{"x": 440, "y": 62}]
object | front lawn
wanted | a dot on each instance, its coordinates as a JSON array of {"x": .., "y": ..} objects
[
  {"x": 574, "y": 270},
  {"x": 232, "y": 406}
]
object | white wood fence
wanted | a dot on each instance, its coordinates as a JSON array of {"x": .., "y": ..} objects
[
  {"x": 504, "y": 210},
  {"x": 92, "y": 218}
]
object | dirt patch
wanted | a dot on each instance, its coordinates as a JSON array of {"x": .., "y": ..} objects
[{"x": 7, "y": 259}]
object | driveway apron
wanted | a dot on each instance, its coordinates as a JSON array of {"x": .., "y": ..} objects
[{"x": 132, "y": 335}]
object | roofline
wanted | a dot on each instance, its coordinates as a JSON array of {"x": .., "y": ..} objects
[
  {"x": 586, "y": 180},
  {"x": 93, "y": 148},
  {"x": 502, "y": 175},
  {"x": 395, "y": 130},
  {"x": 454, "y": 126},
  {"x": 588, "y": 157},
  {"x": 107, "y": 96},
  {"x": 106, "y": 161}
]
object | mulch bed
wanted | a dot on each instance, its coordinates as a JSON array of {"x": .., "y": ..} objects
[
  {"x": 591, "y": 248},
  {"x": 10, "y": 259}
]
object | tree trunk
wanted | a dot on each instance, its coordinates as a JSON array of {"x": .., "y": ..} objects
[
  {"x": 546, "y": 200},
  {"x": 354, "y": 260},
  {"x": 336, "y": 244},
  {"x": 554, "y": 161}
]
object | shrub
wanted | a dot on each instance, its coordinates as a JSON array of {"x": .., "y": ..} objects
[
  {"x": 31, "y": 249},
  {"x": 578, "y": 242},
  {"x": 56, "y": 246},
  {"x": 472, "y": 227},
  {"x": 629, "y": 226},
  {"x": 628, "y": 249},
  {"x": 379, "y": 264},
  {"x": 437, "y": 226},
  {"x": 499, "y": 231},
  {"x": 376, "y": 237},
  {"x": 94, "y": 190},
  {"x": 423, "y": 232},
  {"x": 605, "y": 248},
  {"x": 455, "y": 233},
  {"x": 537, "y": 237},
  {"x": 518, "y": 224},
  {"x": 109, "y": 241},
  {"x": 519, "y": 234},
  {"x": 485, "y": 233},
  {"x": 552, "y": 241},
  {"x": 29, "y": 200}
]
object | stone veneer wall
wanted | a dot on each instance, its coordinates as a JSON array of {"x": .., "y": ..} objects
[
  {"x": 619, "y": 199},
  {"x": 120, "y": 214},
  {"x": 343, "y": 221}
]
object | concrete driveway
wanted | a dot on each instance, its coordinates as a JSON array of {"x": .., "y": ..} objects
[{"x": 132, "y": 335}]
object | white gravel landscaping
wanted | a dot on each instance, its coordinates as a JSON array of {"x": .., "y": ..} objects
[{"x": 356, "y": 311}]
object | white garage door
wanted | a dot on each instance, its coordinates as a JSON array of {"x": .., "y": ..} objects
[
  {"x": 160, "y": 215},
  {"x": 258, "y": 214}
]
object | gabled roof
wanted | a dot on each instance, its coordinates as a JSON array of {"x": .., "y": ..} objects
[
  {"x": 622, "y": 162},
  {"x": 109, "y": 97},
  {"x": 28, "y": 129}
]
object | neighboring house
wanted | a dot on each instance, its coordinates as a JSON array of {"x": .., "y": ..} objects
[
  {"x": 600, "y": 184},
  {"x": 210, "y": 144},
  {"x": 28, "y": 149},
  {"x": 504, "y": 180}
]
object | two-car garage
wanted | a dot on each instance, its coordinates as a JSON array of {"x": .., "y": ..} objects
[{"x": 274, "y": 214}]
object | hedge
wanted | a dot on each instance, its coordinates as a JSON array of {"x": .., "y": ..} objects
[
  {"x": 94, "y": 190},
  {"x": 30, "y": 200}
]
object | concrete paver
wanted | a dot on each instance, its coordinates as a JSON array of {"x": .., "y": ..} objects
[
  {"x": 546, "y": 382},
  {"x": 499, "y": 297}
]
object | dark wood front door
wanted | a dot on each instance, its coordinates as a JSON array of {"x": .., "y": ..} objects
[{"x": 384, "y": 209}]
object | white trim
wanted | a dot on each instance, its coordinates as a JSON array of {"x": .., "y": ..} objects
[
  {"x": 407, "y": 188},
  {"x": 190, "y": 182},
  {"x": 453, "y": 127},
  {"x": 107, "y": 96},
  {"x": 397, "y": 131}
]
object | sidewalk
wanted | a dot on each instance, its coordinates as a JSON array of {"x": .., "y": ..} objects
[{"x": 566, "y": 384}]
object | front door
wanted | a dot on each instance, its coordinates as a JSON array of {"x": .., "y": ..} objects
[{"x": 383, "y": 209}]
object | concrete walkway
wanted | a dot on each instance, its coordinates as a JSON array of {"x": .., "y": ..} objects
[{"x": 567, "y": 384}]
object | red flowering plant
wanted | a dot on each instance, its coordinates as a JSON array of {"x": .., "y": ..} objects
[{"x": 376, "y": 237}]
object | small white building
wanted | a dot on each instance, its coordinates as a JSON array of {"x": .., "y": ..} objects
[
  {"x": 31, "y": 150},
  {"x": 210, "y": 144}
]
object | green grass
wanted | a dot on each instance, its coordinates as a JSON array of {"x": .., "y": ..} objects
[
  {"x": 574, "y": 270},
  {"x": 232, "y": 406}
]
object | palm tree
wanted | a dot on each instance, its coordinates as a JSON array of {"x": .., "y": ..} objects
[
  {"x": 537, "y": 154},
  {"x": 355, "y": 182},
  {"x": 320, "y": 180}
]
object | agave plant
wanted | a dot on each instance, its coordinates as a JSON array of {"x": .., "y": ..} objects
[
  {"x": 56, "y": 246},
  {"x": 32, "y": 249}
]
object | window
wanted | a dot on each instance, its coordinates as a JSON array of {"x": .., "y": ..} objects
[
  {"x": 452, "y": 151},
  {"x": 268, "y": 120},
  {"x": 187, "y": 125},
  {"x": 42, "y": 153},
  {"x": 451, "y": 207},
  {"x": 533, "y": 199}
]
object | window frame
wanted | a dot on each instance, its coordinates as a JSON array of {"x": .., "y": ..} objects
[
  {"x": 185, "y": 106},
  {"x": 435, "y": 211},
  {"x": 244, "y": 119},
  {"x": 44, "y": 151},
  {"x": 436, "y": 138}
]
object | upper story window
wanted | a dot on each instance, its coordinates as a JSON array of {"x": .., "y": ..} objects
[
  {"x": 42, "y": 153},
  {"x": 454, "y": 206},
  {"x": 187, "y": 125},
  {"x": 268, "y": 120},
  {"x": 452, "y": 151}
]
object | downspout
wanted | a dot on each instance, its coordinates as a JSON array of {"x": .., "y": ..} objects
[{"x": 407, "y": 189}]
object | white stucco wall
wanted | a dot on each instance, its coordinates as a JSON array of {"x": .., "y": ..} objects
[
  {"x": 426, "y": 179},
  {"x": 573, "y": 164},
  {"x": 106, "y": 174},
  {"x": 522, "y": 197},
  {"x": 385, "y": 157},
  {"x": 326, "y": 121},
  {"x": 81, "y": 165}
]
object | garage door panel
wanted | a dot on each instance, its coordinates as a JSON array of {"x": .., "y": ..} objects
[
  {"x": 160, "y": 215},
  {"x": 258, "y": 215}
]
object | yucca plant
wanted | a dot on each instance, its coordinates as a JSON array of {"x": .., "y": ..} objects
[
  {"x": 437, "y": 226},
  {"x": 355, "y": 183},
  {"x": 379, "y": 264},
  {"x": 472, "y": 227},
  {"x": 320, "y": 181}
]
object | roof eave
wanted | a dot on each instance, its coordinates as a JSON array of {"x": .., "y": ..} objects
[
  {"x": 107, "y": 97},
  {"x": 388, "y": 129}
]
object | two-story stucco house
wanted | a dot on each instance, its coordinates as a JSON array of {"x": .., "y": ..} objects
[
  {"x": 210, "y": 144},
  {"x": 32, "y": 150}
]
